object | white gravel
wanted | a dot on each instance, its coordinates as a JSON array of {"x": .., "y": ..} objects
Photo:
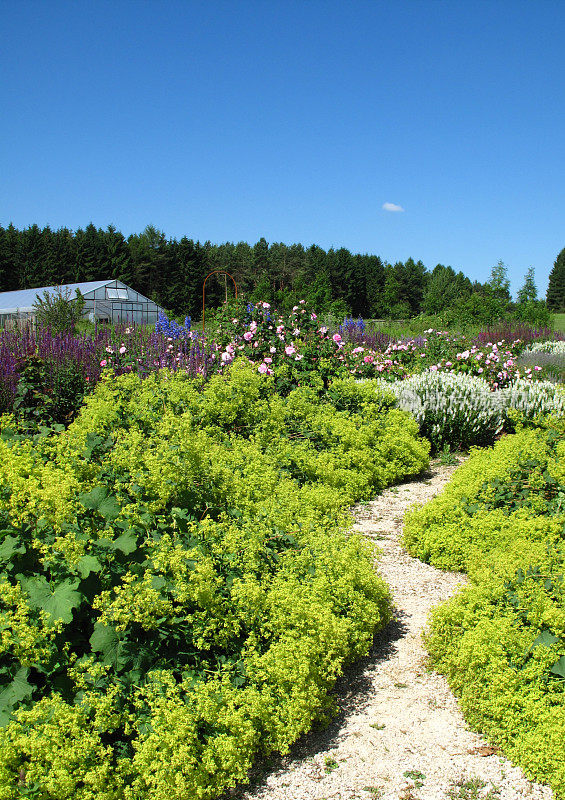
[{"x": 396, "y": 717}]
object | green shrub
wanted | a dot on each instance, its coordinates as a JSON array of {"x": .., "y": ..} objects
[
  {"x": 178, "y": 591},
  {"x": 59, "y": 310},
  {"x": 514, "y": 490},
  {"x": 501, "y": 644},
  {"x": 501, "y": 640}
]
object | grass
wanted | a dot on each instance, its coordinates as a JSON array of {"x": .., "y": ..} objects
[{"x": 560, "y": 322}]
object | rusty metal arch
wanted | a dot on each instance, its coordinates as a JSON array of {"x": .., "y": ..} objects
[{"x": 214, "y": 272}]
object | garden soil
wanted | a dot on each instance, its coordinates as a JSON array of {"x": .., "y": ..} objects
[{"x": 398, "y": 733}]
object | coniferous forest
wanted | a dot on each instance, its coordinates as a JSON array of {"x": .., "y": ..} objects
[{"x": 172, "y": 272}]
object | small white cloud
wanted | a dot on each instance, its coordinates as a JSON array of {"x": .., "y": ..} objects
[{"x": 392, "y": 207}]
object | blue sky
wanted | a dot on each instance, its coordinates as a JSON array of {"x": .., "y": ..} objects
[{"x": 296, "y": 121}]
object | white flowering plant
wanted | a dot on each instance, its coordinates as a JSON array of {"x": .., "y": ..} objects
[
  {"x": 457, "y": 409},
  {"x": 526, "y": 401}
]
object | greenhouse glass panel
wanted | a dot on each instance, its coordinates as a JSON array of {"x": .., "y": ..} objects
[{"x": 117, "y": 294}]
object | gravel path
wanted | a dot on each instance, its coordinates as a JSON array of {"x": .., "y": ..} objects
[{"x": 399, "y": 734}]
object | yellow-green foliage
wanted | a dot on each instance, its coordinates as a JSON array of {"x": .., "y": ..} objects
[
  {"x": 179, "y": 592},
  {"x": 510, "y": 682},
  {"x": 501, "y": 640},
  {"x": 474, "y": 514}
]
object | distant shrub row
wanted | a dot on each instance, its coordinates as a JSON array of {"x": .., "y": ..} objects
[{"x": 501, "y": 640}]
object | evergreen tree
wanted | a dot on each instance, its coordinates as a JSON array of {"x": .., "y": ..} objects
[
  {"x": 404, "y": 288},
  {"x": 10, "y": 256},
  {"x": 150, "y": 262},
  {"x": 499, "y": 282},
  {"x": 556, "y": 288},
  {"x": 90, "y": 255},
  {"x": 5, "y": 265},
  {"x": 313, "y": 281},
  {"x": 395, "y": 305},
  {"x": 444, "y": 289},
  {"x": 117, "y": 256},
  {"x": 261, "y": 259},
  {"x": 185, "y": 297},
  {"x": 32, "y": 257},
  {"x": 60, "y": 266},
  {"x": 375, "y": 283},
  {"x": 528, "y": 292},
  {"x": 415, "y": 282}
]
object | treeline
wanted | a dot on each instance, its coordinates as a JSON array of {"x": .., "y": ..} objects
[{"x": 172, "y": 272}]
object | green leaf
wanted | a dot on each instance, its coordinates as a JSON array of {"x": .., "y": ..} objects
[
  {"x": 545, "y": 639},
  {"x": 9, "y": 548},
  {"x": 92, "y": 441},
  {"x": 14, "y": 693},
  {"x": 98, "y": 500},
  {"x": 559, "y": 668},
  {"x": 127, "y": 543},
  {"x": 58, "y": 600},
  {"x": 88, "y": 564},
  {"x": 106, "y": 640}
]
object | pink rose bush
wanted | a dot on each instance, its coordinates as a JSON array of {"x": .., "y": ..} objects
[{"x": 295, "y": 348}]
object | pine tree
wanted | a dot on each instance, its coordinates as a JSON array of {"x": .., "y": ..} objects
[{"x": 556, "y": 288}]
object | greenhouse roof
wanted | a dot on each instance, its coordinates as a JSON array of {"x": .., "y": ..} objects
[{"x": 22, "y": 300}]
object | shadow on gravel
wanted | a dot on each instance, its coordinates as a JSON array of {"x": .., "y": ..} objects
[{"x": 351, "y": 694}]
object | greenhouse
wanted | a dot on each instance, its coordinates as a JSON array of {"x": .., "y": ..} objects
[{"x": 108, "y": 301}]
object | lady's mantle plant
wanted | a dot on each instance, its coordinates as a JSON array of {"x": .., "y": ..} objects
[{"x": 177, "y": 593}]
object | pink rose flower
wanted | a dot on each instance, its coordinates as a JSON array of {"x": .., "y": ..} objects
[
  {"x": 262, "y": 368},
  {"x": 248, "y": 336},
  {"x": 290, "y": 349},
  {"x": 103, "y": 363},
  {"x": 336, "y": 337}
]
